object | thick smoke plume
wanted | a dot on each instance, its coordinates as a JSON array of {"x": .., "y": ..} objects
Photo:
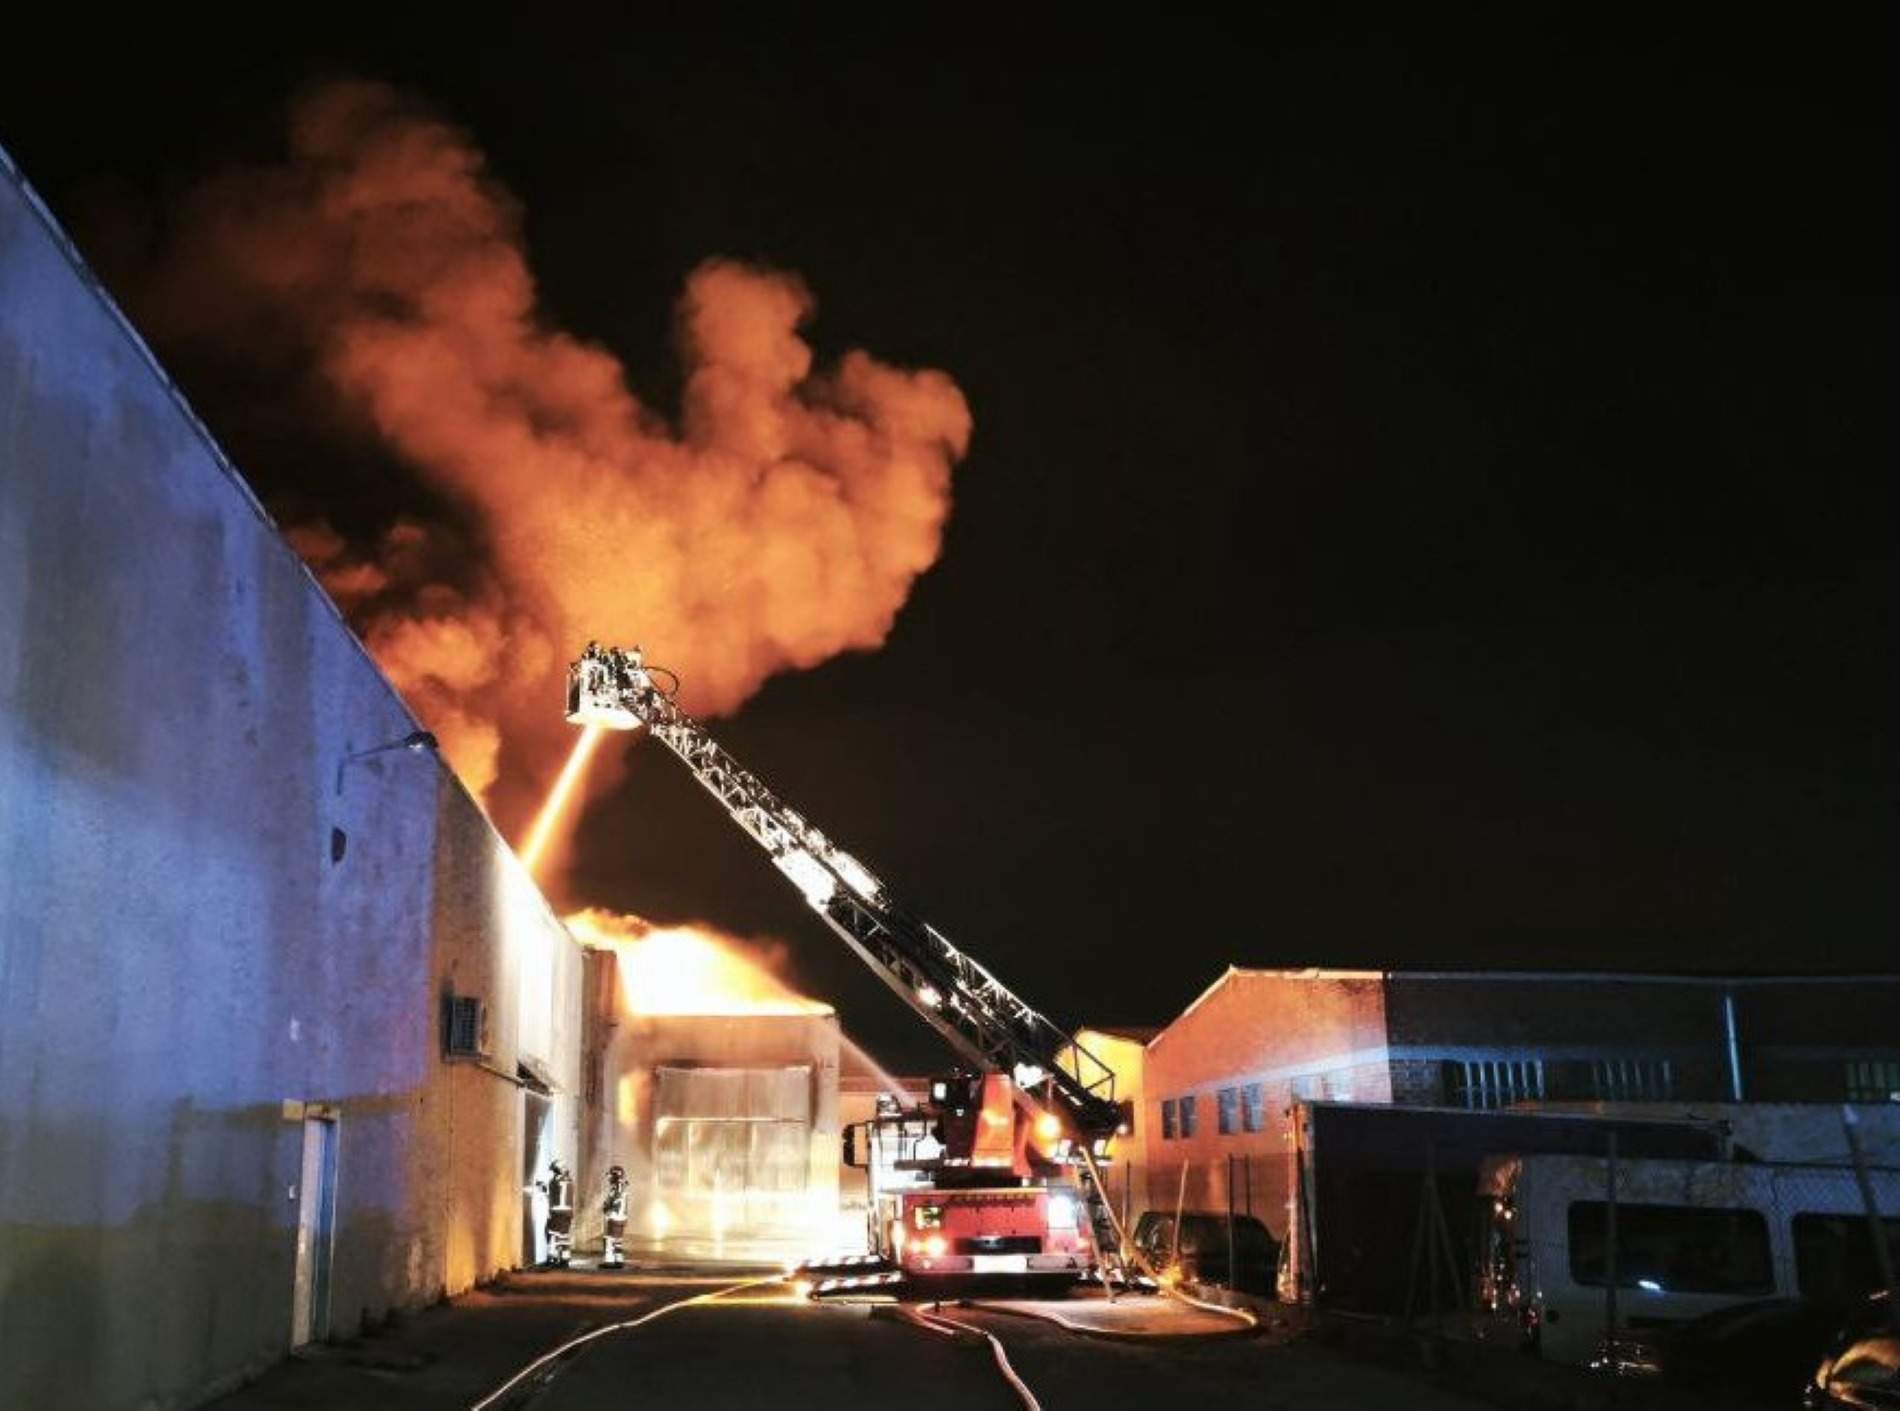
[{"x": 777, "y": 519}]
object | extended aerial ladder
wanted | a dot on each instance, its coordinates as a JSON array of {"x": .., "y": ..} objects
[{"x": 981, "y": 1019}]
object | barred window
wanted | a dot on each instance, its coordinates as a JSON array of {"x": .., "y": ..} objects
[
  {"x": 1633, "y": 1079},
  {"x": 1227, "y": 1110},
  {"x": 1488, "y": 1083},
  {"x": 1187, "y": 1116},
  {"x": 1873, "y": 1080},
  {"x": 1251, "y": 1115},
  {"x": 1167, "y": 1119}
]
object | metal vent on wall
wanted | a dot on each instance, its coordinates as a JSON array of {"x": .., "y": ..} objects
[{"x": 465, "y": 1027}]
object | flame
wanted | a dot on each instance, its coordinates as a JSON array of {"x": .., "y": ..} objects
[
  {"x": 546, "y": 821},
  {"x": 687, "y": 969}
]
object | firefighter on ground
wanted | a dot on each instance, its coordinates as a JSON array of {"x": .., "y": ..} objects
[
  {"x": 614, "y": 1209},
  {"x": 560, "y": 1226}
]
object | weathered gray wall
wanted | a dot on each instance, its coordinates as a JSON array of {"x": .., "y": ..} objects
[{"x": 179, "y": 955}]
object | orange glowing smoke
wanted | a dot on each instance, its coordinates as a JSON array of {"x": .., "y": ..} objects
[
  {"x": 776, "y": 518},
  {"x": 549, "y": 819},
  {"x": 688, "y": 969}
]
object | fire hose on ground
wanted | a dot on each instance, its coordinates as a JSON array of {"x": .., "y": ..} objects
[
  {"x": 547, "y": 1358},
  {"x": 1141, "y": 1260}
]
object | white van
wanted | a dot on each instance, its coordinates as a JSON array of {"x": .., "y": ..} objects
[{"x": 1691, "y": 1237}]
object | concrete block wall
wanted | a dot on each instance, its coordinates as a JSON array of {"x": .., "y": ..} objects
[
  {"x": 1559, "y": 1021},
  {"x": 1797, "y": 1038},
  {"x": 207, "y": 920}
]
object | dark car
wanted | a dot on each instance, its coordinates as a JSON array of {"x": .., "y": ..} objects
[
  {"x": 1759, "y": 1352},
  {"x": 1201, "y": 1251},
  {"x": 1861, "y": 1366}
]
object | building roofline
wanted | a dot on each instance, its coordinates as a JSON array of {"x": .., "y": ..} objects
[
  {"x": 1612, "y": 977},
  {"x": 1309, "y": 973},
  {"x": 1127, "y": 1033},
  {"x": 1616, "y": 977},
  {"x": 195, "y": 425},
  {"x": 1627, "y": 977}
]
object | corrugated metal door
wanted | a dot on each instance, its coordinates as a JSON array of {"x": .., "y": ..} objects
[{"x": 732, "y": 1153}]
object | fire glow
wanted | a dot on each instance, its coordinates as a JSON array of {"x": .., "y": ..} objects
[
  {"x": 560, "y": 797},
  {"x": 687, "y": 969},
  {"x": 778, "y": 513}
]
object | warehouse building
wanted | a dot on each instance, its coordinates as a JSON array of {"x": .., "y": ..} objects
[
  {"x": 1218, "y": 1082},
  {"x": 283, "y": 1023}
]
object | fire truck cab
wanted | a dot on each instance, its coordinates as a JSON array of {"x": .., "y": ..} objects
[{"x": 961, "y": 1188}]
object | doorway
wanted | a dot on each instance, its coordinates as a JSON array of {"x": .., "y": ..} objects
[
  {"x": 536, "y": 1110},
  {"x": 316, "y": 1232}
]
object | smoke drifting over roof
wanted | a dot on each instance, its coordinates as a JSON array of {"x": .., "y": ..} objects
[{"x": 778, "y": 519}]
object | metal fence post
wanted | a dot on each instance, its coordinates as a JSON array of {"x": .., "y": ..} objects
[
  {"x": 1876, "y": 1227},
  {"x": 1233, "y": 1268},
  {"x": 1180, "y": 1199},
  {"x": 1609, "y": 1245}
]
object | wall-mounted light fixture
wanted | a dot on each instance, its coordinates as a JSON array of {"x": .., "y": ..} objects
[{"x": 416, "y": 741}]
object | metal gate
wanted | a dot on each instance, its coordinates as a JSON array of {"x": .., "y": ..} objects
[{"x": 732, "y": 1158}]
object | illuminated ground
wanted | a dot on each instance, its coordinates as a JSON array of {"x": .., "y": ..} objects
[{"x": 766, "y": 1349}]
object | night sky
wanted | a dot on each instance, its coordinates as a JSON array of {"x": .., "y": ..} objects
[{"x": 1429, "y": 503}]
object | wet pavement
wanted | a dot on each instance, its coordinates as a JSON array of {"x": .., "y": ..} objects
[{"x": 767, "y": 1346}]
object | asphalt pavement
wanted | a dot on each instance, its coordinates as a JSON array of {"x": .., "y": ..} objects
[{"x": 767, "y": 1347}]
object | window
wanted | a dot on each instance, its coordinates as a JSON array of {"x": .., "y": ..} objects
[
  {"x": 1251, "y": 1116},
  {"x": 1493, "y": 1082},
  {"x": 1633, "y": 1079},
  {"x": 1674, "y": 1248},
  {"x": 1167, "y": 1119},
  {"x": 464, "y": 1027},
  {"x": 1127, "y": 1110},
  {"x": 1834, "y": 1255},
  {"x": 1227, "y": 1111},
  {"x": 1874, "y": 1080},
  {"x": 1187, "y": 1116}
]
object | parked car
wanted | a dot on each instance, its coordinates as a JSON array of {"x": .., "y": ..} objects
[
  {"x": 1201, "y": 1251},
  {"x": 1761, "y": 1352},
  {"x": 1862, "y": 1364}
]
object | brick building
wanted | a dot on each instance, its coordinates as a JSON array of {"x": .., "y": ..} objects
[{"x": 1217, "y": 1083}]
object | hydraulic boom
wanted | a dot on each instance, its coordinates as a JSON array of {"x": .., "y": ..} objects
[{"x": 977, "y": 1015}]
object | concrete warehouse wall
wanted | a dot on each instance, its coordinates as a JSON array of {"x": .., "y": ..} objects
[{"x": 206, "y": 921}]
